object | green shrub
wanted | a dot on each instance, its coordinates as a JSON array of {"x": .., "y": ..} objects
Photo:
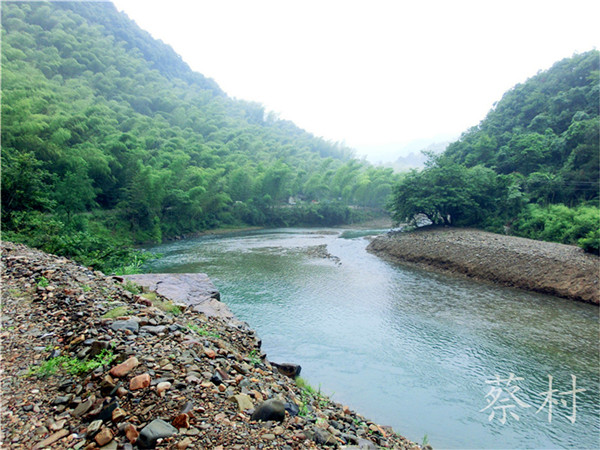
[
  {"x": 591, "y": 242},
  {"x": 97, "y": 247},
  {"x": 559, "y": 223}
]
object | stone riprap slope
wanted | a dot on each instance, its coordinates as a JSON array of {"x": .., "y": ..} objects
[
  {"x": 556, "y": 269},
  {"x": 177, "y": 381},
  {"x": 194, "y": 290}
]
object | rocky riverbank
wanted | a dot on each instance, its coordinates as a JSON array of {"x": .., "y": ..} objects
[
  {"x": 87, "y": 363},
  {"x": 546, "y": 267}
]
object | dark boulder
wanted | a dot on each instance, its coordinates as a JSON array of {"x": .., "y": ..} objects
[
  {"x": 271, "y": 409},
  {"x": 288, "y": 369}
]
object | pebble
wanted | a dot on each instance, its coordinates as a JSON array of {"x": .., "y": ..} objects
[
  {"x": 243, "y": 401},
  {"x": 51, "y": 439},
  {"x": 181, "y": 421},
  {"x": 125, "y": 367},
  {"x": 185, "y": 443},
  {"x": 162, "y": 387},
  {"x": 131, "y": 433},
  {"x": 118, "y": 415},
  {"x": 84, "y": 407},
  {"x": 104, "y": 437},
  {"x": 94, "y": 427},
  {"x": 58, "y": 425},
  {"x": 140, "y": 382}
]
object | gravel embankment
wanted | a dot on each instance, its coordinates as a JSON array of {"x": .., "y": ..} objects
[
  {"x": 179, "y": 380},
  {"x": 556, "y": 269}
]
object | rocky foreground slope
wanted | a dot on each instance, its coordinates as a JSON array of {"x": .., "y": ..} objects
[
  {"x": 88, "y": 364},
  {"x": 556, "y": 269}
]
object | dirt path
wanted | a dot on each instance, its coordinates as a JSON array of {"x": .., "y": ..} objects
[{"x": 556, "y": 269}]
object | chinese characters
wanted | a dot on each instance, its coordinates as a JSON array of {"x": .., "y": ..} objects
[{"x": 503, "y": 399}]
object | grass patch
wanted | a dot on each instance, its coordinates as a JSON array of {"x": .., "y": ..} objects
[
  {"x": 150, "y": 296},
  {"x": 73, "y": 366},
  {"x": 425, "y": 441},
  {"x": 308, "y": 394},
  {"x": 116, "y": 312},
  {"x": 136, "y": 261},
  {"x": 42, "y": 282},
  {"x": 17, "y": 293},
  {"x": 167, "y": 306},
  {"x": 132, "y": 287},
  {"x": 164, "y": 305},
  {"x": 202, "y": 331},
  {"x": 307, "y": 388},
  {"x": 254, "y": 358}
]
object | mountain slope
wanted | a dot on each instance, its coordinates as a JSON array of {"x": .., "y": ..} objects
[
  {"x": 106, "y": 130},
  {"x": 545, "y": 129}
]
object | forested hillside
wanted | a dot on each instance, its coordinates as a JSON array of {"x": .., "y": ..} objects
[
  {"x": 108, "y": 138},
  {"x": 531, "y": 167}
]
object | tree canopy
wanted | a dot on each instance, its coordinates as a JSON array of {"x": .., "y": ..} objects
[
  {"x": 103, "y": 125},
  {"x": 534, "y": 157}
]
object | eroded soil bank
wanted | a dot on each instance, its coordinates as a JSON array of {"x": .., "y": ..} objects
[{"x": 546, "y": 267}]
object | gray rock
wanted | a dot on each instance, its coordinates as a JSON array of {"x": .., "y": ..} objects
[
  {"x": 365, "y": 444},
  {"x": 61, "y": 400},
  {"x": 153, "y": 329},
  {"x": 292, "y": 409},
  {"x": 350, "y": 440},
  {"x": 94, "y": 427},
  {"x": 271, "y": 409},
  {"x": 192, "y": 289},
  {"x": 323, "y": 437},
  {"x": 122, "y": 325},
  {"x": 84, "y": 407},
  {"x": 155, "y": 430}
]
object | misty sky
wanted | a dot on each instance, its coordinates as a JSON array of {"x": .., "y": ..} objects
[{"x": 374, "y": 74}]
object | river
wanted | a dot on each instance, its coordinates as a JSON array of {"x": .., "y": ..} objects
[{"x": 463, "y": 364}]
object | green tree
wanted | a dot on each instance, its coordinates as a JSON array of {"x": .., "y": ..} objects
[
  {"x": 445, "y": 194},
  {"x": 74, "y": 193},
  {"x": 25, "y": 184}
]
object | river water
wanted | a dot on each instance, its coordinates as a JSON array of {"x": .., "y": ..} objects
[{"x": 461, "y": 363}]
